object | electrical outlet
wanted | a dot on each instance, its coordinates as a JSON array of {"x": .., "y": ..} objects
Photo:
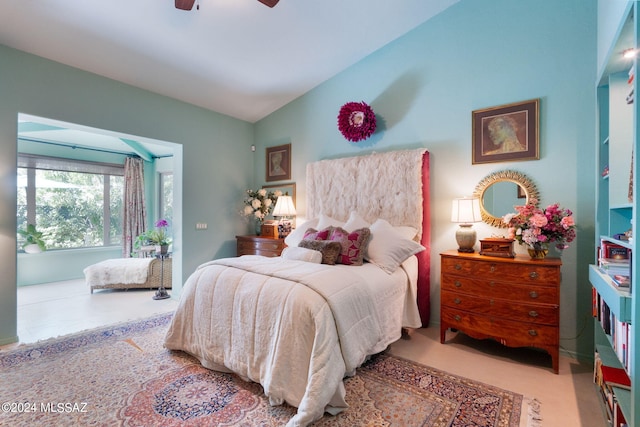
[{"x": 201, "y": 226}]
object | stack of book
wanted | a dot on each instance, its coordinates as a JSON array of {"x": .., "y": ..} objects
[
  {"x": 615, "y": 261},
  {"x": 617, "y": 269}
]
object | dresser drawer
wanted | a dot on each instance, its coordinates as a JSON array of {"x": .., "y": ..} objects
[
  {"x": 488, "y": 269},
  {"x": 256, "y": 245},
  {"x": 515, "y": 291},
  {"x": 544, "y": 314},
  {"x": 244, "y": 245},
  {"x": 508, "y": 332}
]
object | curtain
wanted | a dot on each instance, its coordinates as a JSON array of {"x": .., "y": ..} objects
[{"x": 134, "y": 206}]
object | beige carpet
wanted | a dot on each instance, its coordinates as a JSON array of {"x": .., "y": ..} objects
[{"x": 123, "y": 376}]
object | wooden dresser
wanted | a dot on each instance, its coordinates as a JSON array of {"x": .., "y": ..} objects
[
  {"x": 512, "y": 300},
  {"x": 259, "y": 245}
]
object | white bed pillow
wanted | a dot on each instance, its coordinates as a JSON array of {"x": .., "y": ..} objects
[
  {"x": 325, "y": 221},
  {"x": 294, "y": 238},
  {"x": 406, "y": 231},
  {"x": 388, "y": 248},
  {"x": 355, "y": 222},
  {"x": 302, "y": 254}
]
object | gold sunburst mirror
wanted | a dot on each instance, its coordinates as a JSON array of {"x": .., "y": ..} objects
[{"x": 500, "y": 191}]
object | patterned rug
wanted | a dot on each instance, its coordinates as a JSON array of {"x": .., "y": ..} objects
[{"x": 122, "y": 375}]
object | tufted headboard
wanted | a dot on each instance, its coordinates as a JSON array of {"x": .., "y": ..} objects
[{"x": 393, "y": 186}]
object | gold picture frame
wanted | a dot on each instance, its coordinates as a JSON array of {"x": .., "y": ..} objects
[
  {"x": 506, "y": 133},
  {"x": 288, "y": 188}
]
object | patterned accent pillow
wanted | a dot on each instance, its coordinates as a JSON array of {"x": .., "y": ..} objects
[
  {"x": 313, "y": 234},
  {"x": 329, "y": 250},
  {"x": 353, "y": 244}
]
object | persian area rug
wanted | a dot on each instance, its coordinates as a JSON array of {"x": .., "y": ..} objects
[{"x": 122, "y": 375}]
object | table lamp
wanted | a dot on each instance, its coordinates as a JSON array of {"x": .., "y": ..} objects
[
  {"x": 466, "y": 211},
  {"x": 284, "y": 210}
]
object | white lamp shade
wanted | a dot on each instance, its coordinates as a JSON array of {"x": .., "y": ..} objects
[
  {"x": 284, "y": 207},
  {"x": 466, "y": 210}
]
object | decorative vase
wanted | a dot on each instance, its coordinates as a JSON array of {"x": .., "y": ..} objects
[
  {"x": 33, "y": 248},
  {"x": 162, "y": 249},
  {"x": 538, "y": 251},
  {"x": 258, "y": 225}
]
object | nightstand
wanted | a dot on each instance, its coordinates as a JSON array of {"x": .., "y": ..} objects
[
  {"x": 515, "y": 301},
  {"x": 259, "y": 245}
]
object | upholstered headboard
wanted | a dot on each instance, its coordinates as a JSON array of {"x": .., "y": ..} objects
[{"x": 393, "y": 186}]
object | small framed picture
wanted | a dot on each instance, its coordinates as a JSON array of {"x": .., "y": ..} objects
[
  {"x": 521, "y": 194},
  {"x": 506, "y": 133},
  {"x": 278, "y": 165},
  {"x": 287, "y": 189}
]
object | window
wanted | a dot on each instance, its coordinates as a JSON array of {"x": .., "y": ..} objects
[
  {"x": 75, "y": 204},
  {"x": 165, "y": 199}
]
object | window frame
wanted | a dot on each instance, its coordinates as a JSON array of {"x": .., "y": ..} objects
[{"x": 33, "y": 162}]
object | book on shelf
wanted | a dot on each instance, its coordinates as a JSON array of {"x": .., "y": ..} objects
[
  {"x": 615, "y": 261},
  {"x": 621, "y": 280},
  {"x": 612, "y": 250},
  {"x": 611, "y": 381},
  {"x": 615, "y": 377},
  {"x": 619, "y": 332},
  {"x": 614, "y": 266}
]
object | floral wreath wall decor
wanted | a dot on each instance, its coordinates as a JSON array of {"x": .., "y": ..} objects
[{"x": 356, "y": 121}]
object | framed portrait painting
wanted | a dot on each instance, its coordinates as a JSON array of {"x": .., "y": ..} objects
[
  {"x": 506, "y": 133},
  {"x": 278, "y": 165}
]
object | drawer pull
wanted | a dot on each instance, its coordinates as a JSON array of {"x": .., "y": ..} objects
[
  {"x": 458, "y": 267},
  {"x": 534, "y": 274},
  {"x": 457, "y": 284},
  {"x": 493, "y": 268},
  {"x": 457, "y": 317},
  {"x": 492, "y": 283},
  {"x": 457, "y": 301},
  {"x": 533, "y": 332},
  {"x": 533, "y": 313},
  {"x": 533, "y": 294}
]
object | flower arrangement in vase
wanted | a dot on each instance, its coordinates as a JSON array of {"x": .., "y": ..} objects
[
  {"x": 537, "y": 228},
  {"x": 259, "y": 204}
]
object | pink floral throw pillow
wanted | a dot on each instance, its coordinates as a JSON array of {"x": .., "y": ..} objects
[
  {"x": 313, "y": 234},
  {"x": 353, "y": 244}
]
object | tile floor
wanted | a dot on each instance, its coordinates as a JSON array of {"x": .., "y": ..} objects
[
  {"x": 60, "y": 308},
  {"x": 568, "y": 399}
]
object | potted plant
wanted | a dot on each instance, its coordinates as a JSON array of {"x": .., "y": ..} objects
[
  {"x": 159, "y": 237},
  {"x": 33, "y": 242}
]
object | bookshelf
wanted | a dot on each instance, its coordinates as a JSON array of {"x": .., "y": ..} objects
[{"x": 617, "y": 308}]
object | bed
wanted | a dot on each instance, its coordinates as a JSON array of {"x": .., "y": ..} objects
[{"x": 299, "y": 327}]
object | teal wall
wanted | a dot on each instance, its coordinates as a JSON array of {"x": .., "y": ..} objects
[
  {"x": 423, "y": 88},
  {"x": 610, "y": 14},
  {"x": 214, "y": 148}
]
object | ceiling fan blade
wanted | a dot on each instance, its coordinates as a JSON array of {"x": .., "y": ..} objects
[
  {"x": 185, "y": 4},
  {"x": 269, "y": 3}
]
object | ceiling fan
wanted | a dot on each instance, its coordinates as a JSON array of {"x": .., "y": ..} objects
[{"x": 188, "y": 4}]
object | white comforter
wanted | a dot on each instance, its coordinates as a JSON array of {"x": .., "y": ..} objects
[{"x": 295, "y": 327}]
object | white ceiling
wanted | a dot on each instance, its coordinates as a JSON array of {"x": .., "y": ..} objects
[{"x": 236, "y": 57}]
